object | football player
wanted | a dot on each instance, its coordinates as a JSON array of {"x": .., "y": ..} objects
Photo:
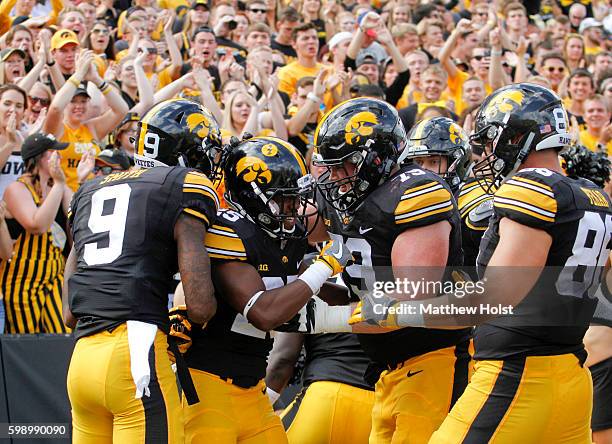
[
  {"x": 132, "y": 232},
  {"x": 256, "y": 249},
  {"x": 580, "y": 162},
  {"x": 396, "y": 220},
  {"x": 441, "y": 145},
  {"x": 334, "y": 391},
  {"x": 543, "y": 254}
]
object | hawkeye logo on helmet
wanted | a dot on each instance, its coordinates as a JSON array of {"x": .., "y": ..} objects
[
  {"x": 199, "y": 124},
  {"x": 253, "y": 169},
  {"x": 454, "y": 133},
  {"x": 360, "y": 125},
  {"x": 504, "y": 103}
]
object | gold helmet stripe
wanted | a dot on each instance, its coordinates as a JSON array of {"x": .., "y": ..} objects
[
  {"x": 141, "y": 138},
  {"x": 298, "y": 156}
]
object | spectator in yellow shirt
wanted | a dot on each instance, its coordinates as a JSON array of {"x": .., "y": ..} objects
[
  {"x": 417, "y": 62},
  {"x": 68, "y": 116},
  {"x": 64, "y": 48},
  {"x": 592, "y": 31},
  {"x": 597, "y": 136},
  {"x": 480, "y": 62},
  {"x": 306, "y": 44},
  {"x": 23, "y": 8}
]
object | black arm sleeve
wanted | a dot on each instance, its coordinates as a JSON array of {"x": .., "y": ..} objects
[{"x": 394, "y": 92}]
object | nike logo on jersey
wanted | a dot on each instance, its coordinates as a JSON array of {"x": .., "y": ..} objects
[
  {"x": 411, "y": 373},
  {"x": 338, "y": 255},
  {"x": 364, "y": 230}
]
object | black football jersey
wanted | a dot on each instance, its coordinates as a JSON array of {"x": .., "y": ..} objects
[
  {"x": 336, "y": 357},
  {"x": 230, "y": 346},
  {"x": 555, "y": 314},
  {"x": 475, "y": 208},
  {"x": 413, "y": 197},
  {"x": 123, "y": 231}
]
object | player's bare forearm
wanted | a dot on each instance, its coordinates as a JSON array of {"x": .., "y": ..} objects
[
  {"x": 69, "y": 269},
  {"x": 194, "y": 266},
  {"x": 284, "y": 355}
]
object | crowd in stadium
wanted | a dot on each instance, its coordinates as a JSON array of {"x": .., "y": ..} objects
[{"x": 77, "y": 77}]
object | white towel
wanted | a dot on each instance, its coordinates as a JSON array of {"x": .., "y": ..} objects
[{"x": 140, "y": 340}]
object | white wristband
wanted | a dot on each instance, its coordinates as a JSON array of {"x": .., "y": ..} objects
[
  {"x": 250, "y": 304},
  {"x": 331, "y": 319},
  {"x": 272, "y": 395},
  {"x": 316, "y": 275}
]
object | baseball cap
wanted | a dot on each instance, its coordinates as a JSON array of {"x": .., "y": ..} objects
[
  {"x": 81, "y": 91},
  {"x": 63, "y": 37},
  {"x": 339, "y": 38},
  {"x": 6, "y": 53},
  {"x": 38, "y": 143},
  {"x": 365, "y": 58},
  {"x": 117, "y": 159},
  {"x": 587, "y": 23},
  {"x": 197, "y": 3}
]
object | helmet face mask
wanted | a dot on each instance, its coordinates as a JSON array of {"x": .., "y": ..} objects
[
  {"x": 441, "y": 137},
  {"x": 511, "y": 123},
  {"x": 349, "y": 190},
  {"x": 179, "y": 132},
  {"x": 358, "y": 142},
  {"x": 267, "y": 182}
]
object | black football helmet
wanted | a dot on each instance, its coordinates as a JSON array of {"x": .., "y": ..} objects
[
  {"x": 179, "y": 132},
  {"x": 441, "y": 136},
  {"x": 512, "y": 122},
  {"x": 366, "y": 132},
  {"x": 266, "y": 180}
]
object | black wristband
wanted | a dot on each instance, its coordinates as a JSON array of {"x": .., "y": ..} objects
[{"x": 51, "y": 64}]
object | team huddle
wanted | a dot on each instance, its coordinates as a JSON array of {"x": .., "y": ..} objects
[{"x": 275, "y": 255}]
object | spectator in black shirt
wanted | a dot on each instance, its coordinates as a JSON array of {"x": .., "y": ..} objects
[{"x": 281, "y": 41}]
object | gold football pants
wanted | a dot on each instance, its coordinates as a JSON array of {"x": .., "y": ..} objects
[
  {"x": 101, "y": 391},
  {"x": 329, "y": 412},
  {"x": 538, "y": 399},
  {"x": 412, "y": 400},
  {"x": 228, "y": 414}
]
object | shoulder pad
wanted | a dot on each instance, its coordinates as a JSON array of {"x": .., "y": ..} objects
[
  {"x": 528, "y": 197},
  {"x": 423, "y": 197},
  {"x": 222, "y": 239},
  {"x": 199, "y": 197}
]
